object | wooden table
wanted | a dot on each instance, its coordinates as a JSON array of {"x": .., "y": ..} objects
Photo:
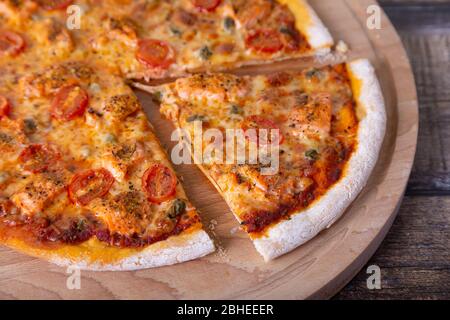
[{"x": 415, "y": 256}]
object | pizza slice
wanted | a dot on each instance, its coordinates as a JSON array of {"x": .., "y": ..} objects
[
  {"x": 83, "y": 178},
  {"x": 323, "y": 128},
  {"x": 160, "y": 39}
]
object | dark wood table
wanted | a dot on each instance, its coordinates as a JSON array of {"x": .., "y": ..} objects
[{"x": 415, "y": 256}]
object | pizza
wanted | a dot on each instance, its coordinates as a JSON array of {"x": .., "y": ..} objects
[
  {"x": 84, "y": 180},
  {"x": 329, "y": 124}
]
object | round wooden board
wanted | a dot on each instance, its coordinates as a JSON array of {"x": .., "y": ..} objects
[{"x": 316, "y": 270}]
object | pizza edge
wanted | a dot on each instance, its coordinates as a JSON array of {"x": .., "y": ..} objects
[
  {"x": 192, "y": 244},
  {"x": 305, "y": 225}
]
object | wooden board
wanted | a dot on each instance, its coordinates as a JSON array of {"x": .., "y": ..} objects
[{"x": 316, "y": 270}]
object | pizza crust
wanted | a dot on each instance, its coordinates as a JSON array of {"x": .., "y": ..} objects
[
  {"x": 176, "y": 249},
  {"x": 304, "y": 225},
  {"x": 309, "y": 23}
]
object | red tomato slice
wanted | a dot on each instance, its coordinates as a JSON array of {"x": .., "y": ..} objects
[
  {"x": 11, "y": 42},
  {"x": 159, "y": 182},
  {"x": 38, "y": 158},
  {"x": 155, "y": 53},
  {"x": 5, "y": 107},
  {"x": 206, "y": 5},
  {"x": 69, "y": 102},
  {"x": 257, "y": 122},
  {"x": 54, "y": 4},
  {"x": 266, "y": 41},
  {"x": 89, "y": 185}
]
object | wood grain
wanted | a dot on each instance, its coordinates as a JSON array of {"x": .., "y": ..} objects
[
  {"x": 316, "y": 270},
  {"x": 414, "y": 258}
]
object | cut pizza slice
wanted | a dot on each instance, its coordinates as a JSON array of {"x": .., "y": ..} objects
[
  {"x": 83, "y": 178},
  {"x": 160, "y": 39},
  {"x": 323, "y": 128}
]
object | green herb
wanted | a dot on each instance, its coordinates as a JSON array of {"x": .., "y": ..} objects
[
  {"x": 175, "y": 31},
  {"x": 30, "y": 126},
  {"x": 312, "y": 154},
  {"x": 205, "y": 53},
  {"x": 178, "y": 208},
  {"x": 196, "y": 117},
  {"x": 229, "y": 24},
  {"x": 313, "y": 73},
  {"x": 81, "y": 225},
  {"x": 236, "y": 109},
  {"x": 288, "y": 31}
]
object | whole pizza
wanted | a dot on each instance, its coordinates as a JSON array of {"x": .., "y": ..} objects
[{"x": 84, "y": 180}]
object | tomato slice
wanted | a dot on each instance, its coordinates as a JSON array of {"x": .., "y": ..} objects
[
  {"x": 265, "y": 40},
  {"x": 5, "y": 107},
  {"x": 54, "y": 4},
  {"x": 159, "y": 182},
  {"x": 38, "y": 158},
  {"x": 89, "y": 185},
  {"x": 256, "y": 123},
  {"x": 155, "y": 53},
  {"x": 11, "y": 43},
  {"x": 69, "y": 102},
  {"x": 206, "y": 5}
]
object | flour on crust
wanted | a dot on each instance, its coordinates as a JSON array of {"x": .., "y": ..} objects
[{"x": 304, "y": 225}]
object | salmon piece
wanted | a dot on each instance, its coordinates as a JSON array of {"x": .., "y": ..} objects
[
  {"x": 39, "y": 193},
  {"x": 127, "y": 213},
  {"x": 46, "y": 83},
  {"x": 218, "y": 87},
  {"x": 12, "y": 136},
  {"x": 119, "y": 159},
  {"x": 119, "y": 107},
  {"x": 312, "y": 119}
]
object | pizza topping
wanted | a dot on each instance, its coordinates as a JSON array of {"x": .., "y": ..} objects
[
  {"x": 29, "y": 125},
  {"x": 205, "y": 53},
  {"x": 184, "y": 17},
  {"x": 38, "y": 158},
  {"x": 279, "y": 79},
  {"x": 206, "y": 5},
  {"x": 11, "y": 43},
  {"x": 121, "y": 106},
  {"x": 69, "y": 231},
  {"x": 155, "y": 53},
  {"x": 312, "y": 119},
  {"x": 41, "y": 191},
  {"x": 258, "y": 123},
  {"x": 312, "y": 154},
  {"x": 252, "y": 14},
  {"x": 224, "y": 48},
  {"x": 229, "y": 24},
  {"x": 69, "y": 103},
  {"x": 159, "y": 183},
  {"x": 265, "y": 41},
  {"x": 5, "y": 107},
  {"x": 54, "y": 4},
  {"x": 177, "y": 209},
  {"x": 89, "y": 185}
]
